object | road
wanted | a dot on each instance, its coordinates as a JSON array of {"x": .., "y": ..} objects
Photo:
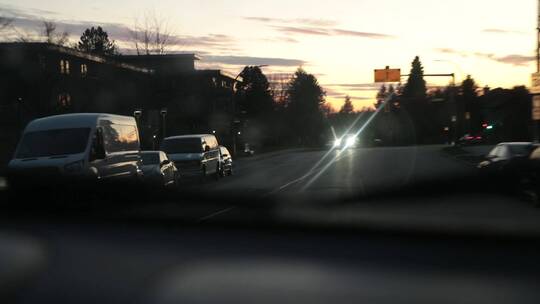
[
  {"x": 336, "y": 176},
  {"x": 340, "y": 173}
]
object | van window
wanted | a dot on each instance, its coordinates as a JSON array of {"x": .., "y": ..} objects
[
  {"x": 53, "y": 142},
  {"x": 120, "y": 138},
  {"x": 182, "y": 145},
  {"x": 211, "y": 141}
]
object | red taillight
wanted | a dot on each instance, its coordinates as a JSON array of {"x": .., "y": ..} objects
[
  {"x": 469, "y": 138},
  {"x": 478, "y": 137}
]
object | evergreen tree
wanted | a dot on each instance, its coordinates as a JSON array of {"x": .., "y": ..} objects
[
  {"x": 416, "y": 85},
  {"x": 347, "y": 107},
  {"x": 96, "y": 40}
]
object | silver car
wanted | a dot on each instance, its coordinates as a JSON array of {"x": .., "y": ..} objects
[{"x": 158, "y": 170}]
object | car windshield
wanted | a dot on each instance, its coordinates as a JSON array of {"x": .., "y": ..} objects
[
  {"x": 53, "y": 143},
  {"x": 520, "y": 150},
  {"x": 182, "y": 145},
  {"x": 338, "y": 112},
  {"x": 150, "y": 158}
]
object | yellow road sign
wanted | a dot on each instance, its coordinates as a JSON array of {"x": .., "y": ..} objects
[{"x": 388, "y": 75}]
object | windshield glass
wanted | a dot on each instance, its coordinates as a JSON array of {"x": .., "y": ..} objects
[
  {"x": 182, "y": 145},
  {"x": 312, "y": 101},
  {"x": 53, "y": 143},
  {"x": 520, "y": 150},
  {"x": 150, "y": 158}
]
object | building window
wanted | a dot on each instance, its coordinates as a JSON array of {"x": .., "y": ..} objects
[
  {"x": 84, "y": 70},
  {"x": 64, "y": 67},
  {"x": 64, "y": 100}
]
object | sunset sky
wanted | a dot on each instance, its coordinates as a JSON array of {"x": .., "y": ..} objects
[{"x": 339, "y": 41}]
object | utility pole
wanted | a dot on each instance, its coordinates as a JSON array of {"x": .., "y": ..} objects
[
  {"x": 535, "y": 88},
  {"x": 538, "y": 41}
]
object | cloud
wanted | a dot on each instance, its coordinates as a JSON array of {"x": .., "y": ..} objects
[
  {"x": 451, "y": 52},
  {"x": 354, "y": 86},
  {"x": 30, "y": 22},
  {"x": 247, "y": 60},
  {"x": 361, "y": 34},
  {"x": 319, "y": 31},
  {"x": 302, "y": 30},
  {"x": 517, "y": 60},
  {"x": 501, "y": 31},
  {"x": 302, "y": 21}
]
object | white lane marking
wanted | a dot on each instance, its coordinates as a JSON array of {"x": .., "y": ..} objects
[{"x": 216, "y": 213}]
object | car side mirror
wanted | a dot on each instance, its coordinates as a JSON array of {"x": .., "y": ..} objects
[
  {"x": 165, "y": 162},
  {"x": 225, "y": 155},
  {"x": 206, "y": 148}
]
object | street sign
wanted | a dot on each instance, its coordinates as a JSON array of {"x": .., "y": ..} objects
[
  {"x": 536, "y": 108},
  {"x": 388, "y": 75},
  {"x": 535, "y": 86}
]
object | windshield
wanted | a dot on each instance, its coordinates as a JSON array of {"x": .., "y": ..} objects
[
  {"x": 150, "y": 158},
  {"x": 520, "y": 150},
  {"x": 53, "y": 143},
  {"x": 182, "y": 145},
  {"x": 382, "y": 111}
]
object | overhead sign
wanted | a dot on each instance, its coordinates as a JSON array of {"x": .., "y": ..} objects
[
  {"x": 535, "y": 87},
  {"x": 388, "y": 75},
  {"x": 536, "y": 108}
]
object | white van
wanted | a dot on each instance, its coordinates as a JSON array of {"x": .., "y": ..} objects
[
  {"x": 73, "y": 147},
  {"x": 193, "y": 155}
]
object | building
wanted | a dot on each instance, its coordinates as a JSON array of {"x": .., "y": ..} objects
[
  {"x": 40, "y": 79},
  {"x": 197, "y": 101}
]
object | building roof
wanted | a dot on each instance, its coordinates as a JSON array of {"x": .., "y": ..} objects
[
  {"x": 164, "y": 56},
  {"x": 73, "y": 52}
]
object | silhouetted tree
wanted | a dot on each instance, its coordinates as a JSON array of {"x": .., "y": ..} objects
[
  {"x": 5, "y": 22},
  {"x": 96, "y": 40},
  {"x": 304, "y": 100},
  {"x": 253, "y": 93},
  {"x": 347, "y": 107},
  {"x": 416, "y": 85},
  {"x": 52, "y": 36},
  {"x": 151, "y": 35},
  {"x": 468, "y": 103}
]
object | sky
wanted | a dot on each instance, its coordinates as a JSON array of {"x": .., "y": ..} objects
[{"x": 339, "y": 41}]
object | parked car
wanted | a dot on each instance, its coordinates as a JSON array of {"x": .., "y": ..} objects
[
  {"x": 77, "y": 148},
  {"x": 508, "y": 159},
  {"x": 194, "y": 155},
  {"x": 469, "y": 140},
  {"x": 226, "y": 162},
  {"x": 159, "y": 170}
]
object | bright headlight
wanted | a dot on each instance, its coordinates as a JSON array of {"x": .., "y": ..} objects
[
  {"x": 337, "y": 143},
  {"x": 351, "y": 141}
]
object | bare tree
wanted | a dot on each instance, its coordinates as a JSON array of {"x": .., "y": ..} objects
[
  {"x": 278, "y": 86},
  {"x": 52, "y": 36},
  {"x": 5, "y": 23},
  {"x": 152, "y": 35}
]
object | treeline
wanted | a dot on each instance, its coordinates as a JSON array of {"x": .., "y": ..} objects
[
  {"x": 297, "y": 120},
  {"x": 415, "y": 114}
]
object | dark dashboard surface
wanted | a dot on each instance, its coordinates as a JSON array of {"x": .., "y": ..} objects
[{"x": 85, "y": 261}]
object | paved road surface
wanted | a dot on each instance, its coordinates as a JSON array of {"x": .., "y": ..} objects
[{"x": 340, "y": 173}]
